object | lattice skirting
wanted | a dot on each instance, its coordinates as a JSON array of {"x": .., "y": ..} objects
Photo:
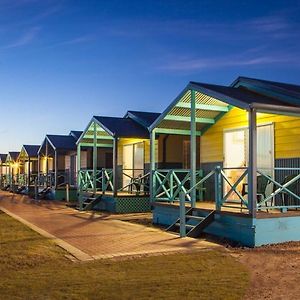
[{"x": 125, "y": 205}]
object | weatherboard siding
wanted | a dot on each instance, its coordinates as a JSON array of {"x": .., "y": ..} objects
[
  {"x": 129, "y": 141},
  {"x": 286, "y": 134}
]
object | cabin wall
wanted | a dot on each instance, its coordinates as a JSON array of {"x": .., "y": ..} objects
[
  {"x": 83, "y": 160},
  {"x": 130, "y": 141},
  {"x": 60, "y": 163},
  {"x": 173, "y": 146},
  {"x": 286, "y": 145},
  {"x": 105, "y": 158},
  {"x": 286, "y": 135},
  {"x": 3, "y": 170}
]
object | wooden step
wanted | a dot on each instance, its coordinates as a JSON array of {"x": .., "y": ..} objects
[
  {"x": 195, "y": 217},
  {"x": 189, "y": 226}
]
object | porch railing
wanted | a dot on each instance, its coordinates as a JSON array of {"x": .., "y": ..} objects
[
  {"x": 279, "y": 191},
  {"x": 45, "y": 179},
  {"x": 137, "y": 181},
  {"x": 133, "y": 181},
  {"x": 168, "y": 184},
  {"x": 103, "y": 180},
  {"x": 285, "y": 189}
]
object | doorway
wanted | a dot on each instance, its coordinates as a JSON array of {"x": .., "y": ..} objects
[
  {"x": 133, "y": 162},
  {"x": 236, "y": 153}
]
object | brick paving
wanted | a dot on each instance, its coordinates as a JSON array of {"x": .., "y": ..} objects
[{"x": 97, "y": 235}]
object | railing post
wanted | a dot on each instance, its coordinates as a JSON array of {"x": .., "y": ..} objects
[
  {"x": 78, "y": 165},
  {"x": 103, "y": 178},
  {"x": 252, "y": 165},
  {"x": 115, "y": 167},
  {"x": 95, "y": 156},
  {"x": 182, "y": 214},
  {"x": 67, "y": 193},
  {"x": 171, "y": 184},
  {"x": 193, "y": 150},
  {"x": 218, "y": 188},
  {"x": 152, "y": 166},
  {"x": 36, "y": 189}
]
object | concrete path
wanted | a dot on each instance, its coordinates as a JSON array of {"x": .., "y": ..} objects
[{"x": 92, "y": 236}]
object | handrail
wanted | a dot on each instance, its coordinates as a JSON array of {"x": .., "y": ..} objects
[
  {"x": 139, "y": 182},
  {"x": 281, "y": 188}
]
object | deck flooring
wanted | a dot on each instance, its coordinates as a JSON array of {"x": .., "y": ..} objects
[{"x": 210, "y": 205}]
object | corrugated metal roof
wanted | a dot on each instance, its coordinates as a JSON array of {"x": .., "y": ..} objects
[
  {"x": 76, "y": 134},
  {"x": 62, "y": 142},
  {"x": 13, "y": 155},
  {"x": 142, "y": 117},
  {"x": 31, "y": 150},
  {"x": 3, "y": 157},
  {"x": 285, "y": 87},
  {"x": 240, "y": 93},
  {"x": 122, "y": 127},
  {"x": 211, "y": 101}
]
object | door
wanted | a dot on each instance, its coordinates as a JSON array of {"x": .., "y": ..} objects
[
  {"x": 133, "y": 162},
  {"x": 236, "y": 153},
  {"x": 235, "y": 157}
]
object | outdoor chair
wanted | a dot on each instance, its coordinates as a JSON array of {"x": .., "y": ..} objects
[
  {"x": 140, "y": 182},
  {"x": 262, "y": 183},
  {"x": 286, "y": 198}
]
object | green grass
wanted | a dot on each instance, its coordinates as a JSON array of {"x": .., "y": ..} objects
[{"x": 32, "y": 267}]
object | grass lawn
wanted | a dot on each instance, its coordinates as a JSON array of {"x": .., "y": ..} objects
[{"x": 32, "y": 267}]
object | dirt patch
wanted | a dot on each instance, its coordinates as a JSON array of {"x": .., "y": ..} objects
[{"x": 275, "y": 270}]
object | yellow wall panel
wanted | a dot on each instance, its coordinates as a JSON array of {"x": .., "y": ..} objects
[{"x": 286, "y": 134}]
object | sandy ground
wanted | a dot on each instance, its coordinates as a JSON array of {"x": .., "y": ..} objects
[{"x": 275, "y": 271}]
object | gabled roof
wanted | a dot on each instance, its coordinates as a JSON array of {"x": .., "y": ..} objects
[
  {"x": 3, "y": 157},
  {"x": 122, "y": 127},
  {"x": 142, "y": 117},
  {"x": 76, "y": 134},
  {"x": 210, "y": 100},
  {"x": 62, "y": 142},
  {"x": 276, "y": 89},
  {"x": 12, "y": 156},
  {"x": 238, "y": 96},
  {"x": 31, "y": 150}
]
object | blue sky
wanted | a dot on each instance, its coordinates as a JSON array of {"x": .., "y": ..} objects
[{"x": 62, "y": 61}]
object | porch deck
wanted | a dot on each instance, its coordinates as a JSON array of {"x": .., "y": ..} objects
[
  {"x": 267, "y": 228},
  {"x": 210, "y": 206}
]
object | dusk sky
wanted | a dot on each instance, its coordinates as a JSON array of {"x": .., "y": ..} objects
[{"x": 63, "y": 61}]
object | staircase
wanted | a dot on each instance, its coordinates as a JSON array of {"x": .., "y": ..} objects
[
  {"x": 89, "y": 201},
  {"x": 193, "y": 223}
]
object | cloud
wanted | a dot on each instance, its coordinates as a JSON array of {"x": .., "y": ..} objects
[
  {"x": 277, "y": 26},
  {"x": 77, "y": 40},
  {"x": 24, "y": 39},
  {"x": 178, "y": 64}
]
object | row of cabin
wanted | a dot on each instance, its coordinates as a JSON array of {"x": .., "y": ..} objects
[{"x": 229, "y": 148}]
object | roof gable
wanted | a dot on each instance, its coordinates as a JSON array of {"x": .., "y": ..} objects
[
  {"x": 143, "y": 118},
  {"x": 3, "y": 157},
  {"x": 31, "y": 150},
  {"x": 285, "y": 92},
  {"x": 122, "y": 127},
  {"x": 12, "y": 156}
]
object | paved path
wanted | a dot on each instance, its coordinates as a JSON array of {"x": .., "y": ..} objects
[{"x": 91, "y": 236}]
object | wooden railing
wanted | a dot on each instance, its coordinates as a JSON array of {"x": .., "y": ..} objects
[
  {"x": 102, "y": 180},
  {"x": 138, "y": 181},
  {"x": 272, "y": 193},
  {"x": 167, "y": 184}
]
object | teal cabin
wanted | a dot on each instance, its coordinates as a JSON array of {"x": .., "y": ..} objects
[
  {"x": 241, "y": 152},
  {"x": 114, "y": 163},
  {"x": 28, "y": 168},
  {"x": 57, "y": 166},
  {"x": 3, "y": 171}
]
